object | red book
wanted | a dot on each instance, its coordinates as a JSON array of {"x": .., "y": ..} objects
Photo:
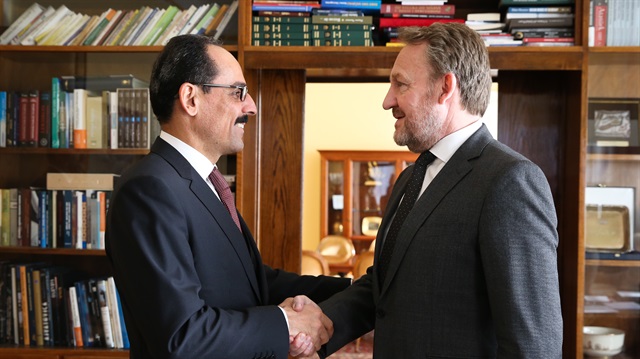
[
  {"x": 417, "y": 9},
  {"x": 33, "y": 118},
  {"x": 407, "y": 21},
  {"x": 600, "y": 23},
  {"x": 23, "y": 119}
]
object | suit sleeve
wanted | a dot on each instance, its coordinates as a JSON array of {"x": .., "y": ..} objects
[
  {"x": 283, "y": 285},
  {"x": 518, "y": 241},
  {"x": 148, "y": 244}
]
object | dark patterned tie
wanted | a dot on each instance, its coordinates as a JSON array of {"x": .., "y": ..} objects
[
  {"x": 411, "y": 193},
  {"x": 222, "y": 187}
]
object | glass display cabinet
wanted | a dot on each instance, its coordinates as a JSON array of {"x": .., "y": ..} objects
[
  {"x": 612, "y": 205},
  {"x": 355, "y": 189}
]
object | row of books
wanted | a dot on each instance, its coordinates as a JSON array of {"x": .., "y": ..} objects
[
  {"x": 614, "y": 23},
  {"x": 69, "y": 213},
  {"x": 45, "y": 305},
  {"x": 79, "y": 112},
  {"x": 296, "y": 31},
  {"x": 146, "y": 26}
]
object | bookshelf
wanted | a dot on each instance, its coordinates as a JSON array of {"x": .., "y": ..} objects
[{"x": 542, "y": 111}]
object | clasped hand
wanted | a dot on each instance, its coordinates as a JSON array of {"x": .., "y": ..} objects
[{"x": 309, "y": 328}]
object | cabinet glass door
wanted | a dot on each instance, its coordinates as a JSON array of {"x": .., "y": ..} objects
[
  {"x": 336, "y": 197},
  {"x": 372, "y": 183},
  {"x": 612, "y": 205}
]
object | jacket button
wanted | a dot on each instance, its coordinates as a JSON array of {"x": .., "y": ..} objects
[{"x": 380, "y": 313}]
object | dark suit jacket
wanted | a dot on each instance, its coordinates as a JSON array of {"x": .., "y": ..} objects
[
  {"x": 474, "y": 271},
  {"x": 185, "y": 273}
]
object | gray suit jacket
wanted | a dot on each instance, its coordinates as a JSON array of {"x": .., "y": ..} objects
[
  {"x": 191, "y": 285},
  {"x": 474, "y": 270}
]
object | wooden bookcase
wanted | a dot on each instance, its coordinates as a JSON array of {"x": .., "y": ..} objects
[{"x": 542, "y": 114}]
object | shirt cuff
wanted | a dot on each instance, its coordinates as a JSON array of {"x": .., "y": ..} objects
[{"x": 285, "y": 317}]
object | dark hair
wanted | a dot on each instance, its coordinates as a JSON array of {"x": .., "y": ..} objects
[
  {"x": 183, "y": 59},
  {"x": 456, "y": 48}
]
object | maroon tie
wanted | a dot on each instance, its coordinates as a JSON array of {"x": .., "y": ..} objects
[{"x": 221, "y": 186}]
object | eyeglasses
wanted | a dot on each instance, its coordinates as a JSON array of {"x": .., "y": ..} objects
[{"x": 243, "y": 89}]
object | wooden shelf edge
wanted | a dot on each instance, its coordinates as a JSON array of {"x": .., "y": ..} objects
[
  {"x": 612, "y": 263},
  {"x": 612, "y": 157},
  {"x": 381, "y": 57},
  {"x": 53, "y": 251},
  {"x": 72, "y": 151},
  {"x": 91, "y": 49},
  {"x": 615, "y": 49}
]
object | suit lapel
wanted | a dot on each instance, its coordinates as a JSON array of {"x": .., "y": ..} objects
[
  {"x": 453, "y": 172},
  {"x": 215, "y": 207}
]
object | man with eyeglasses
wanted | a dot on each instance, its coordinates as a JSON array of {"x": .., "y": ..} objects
[{"x": 187, "y": 268}]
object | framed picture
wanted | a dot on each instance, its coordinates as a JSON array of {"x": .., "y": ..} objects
[{"x": 613, "y": 125}]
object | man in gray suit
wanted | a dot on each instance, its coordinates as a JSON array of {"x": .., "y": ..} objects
[{"x": 472, "y": 271}]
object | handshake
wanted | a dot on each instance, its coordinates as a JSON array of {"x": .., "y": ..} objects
[{"x": 309, "y": 328}]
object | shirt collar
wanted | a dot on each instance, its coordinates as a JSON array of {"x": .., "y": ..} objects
[
  {"x": 448, "y": 145},
  {"x": 198, "y": 161}
]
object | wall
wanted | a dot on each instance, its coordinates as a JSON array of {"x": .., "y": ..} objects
[{"x": 347, "y": 116}]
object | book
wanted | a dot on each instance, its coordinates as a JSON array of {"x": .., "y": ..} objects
[
  {"x": 105, "y": 313},
  {"x": 600, "y": 16},
  {"x": 342, "y": 42},
  {"x": 112, "y": 24},
  {"x": 49, "y": 24},
  {"x": 195, "y": 18},
  {"x": 281, "y": 35},
  {"x": 271, "y": 28},
  {"x": 81, "y": 181},
  {"x": 180, "y": 20},
  {"x": 281, "y": 20},
  {"x": 277, "y": 42},
  {"x": 86, "y": 31},
  {"x": 206, "y": 19},
  {"x": 340, "y": 27},
  {"x": 161, "y": 25},
  {"x": 321, "y": 19},
  {"x": 112, "y": 304},
  {"x": 94, "y": 118},
  {"x": 519, "y": 35},
  {"x": 288, "y": 7},
  {"x": 541, "y": 23},
  {"x": 148, "y": 26},
  {"x": 75, "y": 315},
  {"x": 144, "y": 15},
  {"x": 449, "y": 9},
  {"x": 3, "y": 118},
  {"x": 44, "y": 122},
  {"x": 399, "y": 22},
  {"x": 535, "y": 2},
  {"x": 536, "y": 9},
  {"x": 128, "y": 23},
  {"x": 226, "y": 19},
  {"x": 80, "y": 118},
  {"x": 37, "y": 24},
  {"x": 37, "y": 307},
  {"x": 215, "y": 22},
  {"x": 364, "y": 5},
  {"x": 21, "y": 22}
]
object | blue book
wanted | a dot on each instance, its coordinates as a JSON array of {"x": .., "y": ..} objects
[
  {"x": 83, "y": 310},
  {"x": 55, "y": 112},
  {"x": 364, "y": 5},
  {"x": 43, "y": 218},
  {"x": 3, "y": 119},
  {"x": 123, "y": 327}
]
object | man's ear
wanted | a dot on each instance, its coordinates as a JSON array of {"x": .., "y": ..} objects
[
  {"x": 449, "y": 85},
  {"x": 187, "y": 98}
]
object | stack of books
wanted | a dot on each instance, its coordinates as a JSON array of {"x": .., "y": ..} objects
[
  {"x": 281, "y": 31},
  {"x": 146, "y": 26},
  {"x": 394, "y": 15},
  {"x": 341, "y": 27},
  {"x": 540, "y": 22},
  {"x": 489, "y": 26}
]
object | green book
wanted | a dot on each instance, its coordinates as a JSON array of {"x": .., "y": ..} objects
[
  {"x": 104, "y": 21},
  {"x": 336, "y": 19},
  {"x": 160, "y": 26},
  {"x": 341, "y": 34},
  {"x": 264, "y": 42},
  {"x": 339, "y": 27},
  {"x": 282, "y": 19},
  {"x": 55, "y": 112},
  {"x": 281, "y": 35},
  {"x": 281, "y": 27},
  {"x": 343, "y": 42}
]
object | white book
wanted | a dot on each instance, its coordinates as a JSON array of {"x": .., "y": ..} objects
[
  {"x": 35, "y": 27},
  {"x": 112, "y": 302},
  {"x": 206, "y": 19},
  {"x": 193, "y": 21},
  {"x": 81, "y": 217},
  {"x": 149, "y": 27},
  {"x": 75, "y": 314},
  {"x": 76, "y": 31},
  {"x": 113, "y": 115},
  {"x": 66, "y": 30},
  {"x": 50, "y": 25},
  {"x": 23, "y": 20},
  {"x": 80, "y": 118},
  {"x": 179, "y": 22},
  {"x": 225, "y": 20},
  {"x": 105, "y": 313},
  {"x": 45, "y": 38}
]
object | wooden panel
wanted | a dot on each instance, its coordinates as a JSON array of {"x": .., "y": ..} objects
[
  {"x": 539, "y": 115},
  {"x": 280, "y": 176},
  {"x": 614, "y": 74}
]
